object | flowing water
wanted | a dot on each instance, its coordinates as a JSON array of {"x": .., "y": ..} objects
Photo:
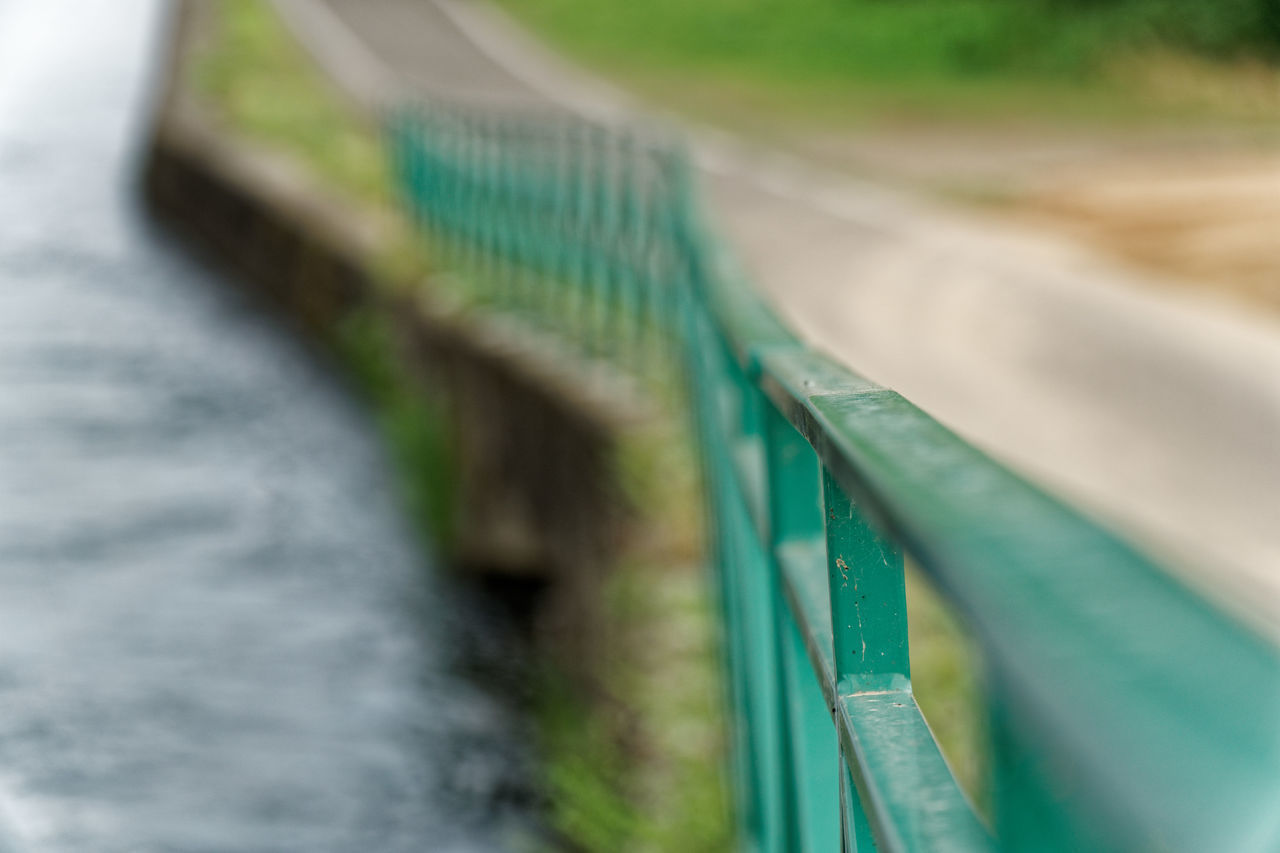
[{"x": 217, "y": 632}]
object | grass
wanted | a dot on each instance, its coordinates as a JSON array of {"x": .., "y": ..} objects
[
  {"x": 868, "y": 57},
  {"x": 259, "y": 82},
  {"x": 415, "y": 426},
  {"x": 946, "y": 680},
  {"x": 646, "y": 771}
]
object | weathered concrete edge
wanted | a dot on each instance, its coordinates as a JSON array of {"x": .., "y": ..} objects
[{"x": 538, "y": 436}]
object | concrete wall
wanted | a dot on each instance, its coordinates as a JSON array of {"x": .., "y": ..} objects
[{"x": 535, "y": 436}]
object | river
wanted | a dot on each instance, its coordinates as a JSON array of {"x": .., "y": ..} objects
[{"x": 217, "y": 629}]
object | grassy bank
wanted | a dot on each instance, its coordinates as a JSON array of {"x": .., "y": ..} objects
[
  {"x": 865, "y": 57},
  {"x": 257, "y": 80}
]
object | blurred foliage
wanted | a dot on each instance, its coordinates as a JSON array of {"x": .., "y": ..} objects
[
  {"x": 946, "y": 680},
  {"x": 960, "y": 55},
  {"x": 259, "y": 81},
  {"x": 416, "y": 427},
  {"x": 644, "y": 769}
]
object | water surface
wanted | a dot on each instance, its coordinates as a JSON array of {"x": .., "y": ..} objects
[{"x": 216, "y": 630}]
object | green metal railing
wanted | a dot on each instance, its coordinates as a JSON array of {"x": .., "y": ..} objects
[{"x": 1125, "y": 712}]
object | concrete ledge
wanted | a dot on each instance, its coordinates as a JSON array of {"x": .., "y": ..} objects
[{"x": 536, "y": 431}]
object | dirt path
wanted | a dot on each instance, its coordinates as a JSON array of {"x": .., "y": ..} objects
[
  {"x": 1194, "y": 203},
  {"x": 1155, "y": 407},
  {"x": 1210, "y": 221}
]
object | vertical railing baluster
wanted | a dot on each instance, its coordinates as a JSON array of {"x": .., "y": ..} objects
[
  {"x": 868, "y": 597},
  {"x": 505, "y": 213},
  {"x": 769, "y": 758},
  {"x": 855, "y": 829},
  {"x": 625, "y": 258},
  {"x": 795, "y": 520},
  {"x": 868, "y": 619},
  {"x": 488, "y": 213},
  {"x": 704, "y": 377},
  {"x": 595, "y": 236}
]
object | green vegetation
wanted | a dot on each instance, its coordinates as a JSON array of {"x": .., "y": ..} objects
[
  {"x": 259, "y": 82},
  {"x": 945, "y": 678},
  {"x": 645, "y": 771},
  {"x": 254, "y": 78},
  {"x": 933, "y": 55},
  {"x": 415, "y": 426}
]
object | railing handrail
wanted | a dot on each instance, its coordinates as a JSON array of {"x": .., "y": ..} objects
[
  {"x": 1127, "y": 712},
  {"x": 1166, "y": 708}
]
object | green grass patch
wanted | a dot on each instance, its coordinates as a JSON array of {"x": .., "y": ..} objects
[
  {"x": 259, "y": 82},
  {"x": 645, "y": 770},
  {"x": 415, "y": 426},
  {"x": 865, "y": 57},
  {"x": 946, "y": 681}
]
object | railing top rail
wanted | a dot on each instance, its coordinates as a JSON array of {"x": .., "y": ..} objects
[
  {"x": 1155, "y": 711},
  {"x": 1161, "y": 705},
  {"x": 1162, "y": 708}
]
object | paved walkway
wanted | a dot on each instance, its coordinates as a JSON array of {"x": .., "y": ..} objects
[{"x": 1159, "y": 413}]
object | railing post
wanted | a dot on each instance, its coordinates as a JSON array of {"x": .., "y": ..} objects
[
  {"x": 868, "y": 626},
  {"x": 868, "y": 598},
  {"x": 855, "y": 829},
  {"x": 795, "y": 520},
  {"x": 756, "y": 581}
]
